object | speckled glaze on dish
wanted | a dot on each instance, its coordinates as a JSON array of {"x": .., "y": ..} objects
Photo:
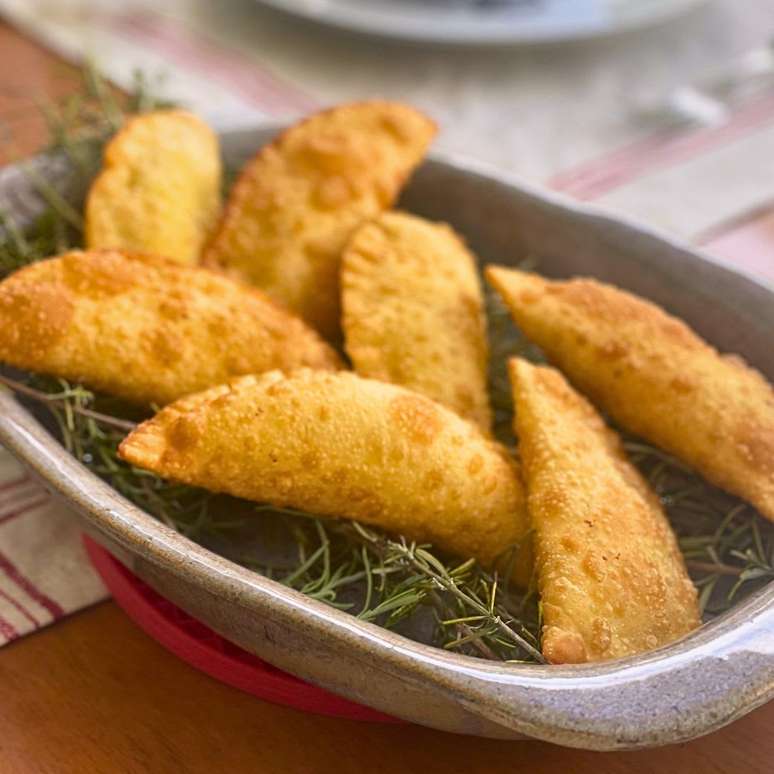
[{"x": 676, "y": 693}]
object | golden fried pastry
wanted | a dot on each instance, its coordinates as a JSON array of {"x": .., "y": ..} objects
[
  {"x": 413, "y": 312},
  {"x": 654, "y": 376},
  {"x": 296, "y": 203},
  {"x": 340, "y": 445},
  {"x": 146, "y": 328},
  {"x": 611, "y": 577},
  {"x": 159, "y": 189}
]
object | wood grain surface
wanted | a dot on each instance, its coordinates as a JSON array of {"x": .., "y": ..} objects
[{"x": 93, "y": 694}]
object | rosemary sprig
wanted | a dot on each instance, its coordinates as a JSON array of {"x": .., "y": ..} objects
[
  {"x": 471, "y": 607},
  {"x": 387, "y": 581},
  {"x": 728, "y": 548},
  {"x": 91, "y": 428},
  {"x": 459, "y": 606},
  {"x": 61, "y": 400}
]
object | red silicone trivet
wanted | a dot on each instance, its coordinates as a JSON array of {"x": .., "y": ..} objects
[{"x": 208, "y": 652}]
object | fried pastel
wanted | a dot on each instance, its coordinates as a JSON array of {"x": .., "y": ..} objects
[
  {"x": 146, "y": 328},
  {"x": 413, "y": 313},
  {"x": 335, "y": 444},
  {"x": 611, "y": 578},
  {"x": 654, "y": 376},
  {"x": 159, "y": 189},
  {"x": 296, "y": 203}
]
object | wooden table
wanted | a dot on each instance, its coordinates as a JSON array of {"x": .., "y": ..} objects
[{"x": 94, "y": 694}]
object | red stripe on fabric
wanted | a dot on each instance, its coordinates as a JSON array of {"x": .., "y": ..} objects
[
  {"x": 7, "y": 485},
  {"x": 256, "y": 83},
  {"x": 580, "y": 175},
  {"x": 736, "y": 223},
  {"x": 18, "y": 489},
  {"x": 19, "y": 493},
  {"x": 7, "y": 630},
  {"x": 13, "y": 574},
  {"x": 660, "y": 151},
  {"x": 24, "y": 509},
  {"x": 746, "y": 242},
  {"x": 23, "y": 610}
]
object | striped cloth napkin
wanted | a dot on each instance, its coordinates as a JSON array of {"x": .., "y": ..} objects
[
  {"x": 44, "y": 573},
  {"x": 695, "y": 160}
]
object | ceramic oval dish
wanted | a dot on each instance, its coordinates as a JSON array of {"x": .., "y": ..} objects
[{"x": 689, "y": 688}]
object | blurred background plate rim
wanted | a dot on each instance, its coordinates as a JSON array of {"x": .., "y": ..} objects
[{"x": 411, "y": 21}]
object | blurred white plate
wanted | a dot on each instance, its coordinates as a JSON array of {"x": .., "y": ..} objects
[{"x": 484, "y": 22}]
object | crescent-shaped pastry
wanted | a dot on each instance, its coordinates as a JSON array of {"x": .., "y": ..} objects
[
  {"x": 335, "y": 444},
  {"x": 145, "y": 328},
  {"x": 654, "y": 376},
  {"x": 294, "y": 206},
  {"x": 159, "y": 188},
  {"x": 413, "y": 312},
  {"x": 611, "y": 578}
]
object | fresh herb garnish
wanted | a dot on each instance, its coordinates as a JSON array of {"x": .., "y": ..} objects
[{"x": 455, "y": 605}]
